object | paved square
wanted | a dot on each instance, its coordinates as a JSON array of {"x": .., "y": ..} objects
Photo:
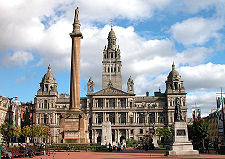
[{"x": 115, "y": 155}]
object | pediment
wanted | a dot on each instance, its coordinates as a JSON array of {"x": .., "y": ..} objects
[{"x": 110, "y": 91}]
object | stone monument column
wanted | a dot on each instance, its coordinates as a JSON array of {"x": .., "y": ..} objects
[
  {"x": 74, "y": 123},
  {"x": 76, "y": 35}
]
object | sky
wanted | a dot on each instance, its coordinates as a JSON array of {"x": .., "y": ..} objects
[{"x": 151, "y": 35}]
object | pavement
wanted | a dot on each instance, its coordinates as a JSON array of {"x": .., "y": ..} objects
[{"x": 122, "y": 155}]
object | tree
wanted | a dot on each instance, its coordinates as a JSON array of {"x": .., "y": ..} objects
[
  {"x": 17, "y": 132},
  {"x": 7, "y": 131},
  {"x": 26, "y": 131},
  {"x": 166, "y": 133},
  {"x": 131, "y": 143},
  {"x": 198, "y": 132},
  {"x": 34, "y": 132}
]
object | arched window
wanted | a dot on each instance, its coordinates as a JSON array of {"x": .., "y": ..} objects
[
  {"x": 108, "y": 69},
  {"x": 130, "y": 87},
  {"x": 111, "y": 55},
  {"x": 111, "y": 69},
  {"x": 46, "y": 88}
]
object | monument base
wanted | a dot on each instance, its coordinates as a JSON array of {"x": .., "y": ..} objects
[
  {"x": 182, "y": 149},
  {"x": 181, "y": 145},
  {"x": 74, "y": 128}
]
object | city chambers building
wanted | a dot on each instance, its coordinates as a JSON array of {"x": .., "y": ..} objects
[{"x": 131, "y": 116}]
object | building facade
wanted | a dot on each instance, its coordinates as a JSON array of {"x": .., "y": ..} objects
[
  {"x": 130, "y": 116},
  {"x": 3, "y": 109}
]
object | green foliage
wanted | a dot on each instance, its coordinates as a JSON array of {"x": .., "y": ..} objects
[
  {"x": 17, "y": 131},
  {"x": 46, "y": 131},
  {"x": 73, "y": 147},
  {"x": 166, "y": 133},
  {"x": 40, "y": 131},
  {"x": 27, "y": 131},
  {"x": 99, "y": 148},
  {"x": 7, "y": 130},
  {"x": 131, "y": 142},
  {"x": 198, "y": 132},
  {"x": 71, "y": 140}
]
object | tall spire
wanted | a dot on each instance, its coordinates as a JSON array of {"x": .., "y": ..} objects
[
  {"x": 49, "y": 67},
  {"x": 111, "y": 37},
  {"x": 111, "y": 23},
  {"x": 173, "y": 66}
]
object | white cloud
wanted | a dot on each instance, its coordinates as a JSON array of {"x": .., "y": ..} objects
[
  {"x": 196, "y": 30},
  {"x": 204, "y": 76},
  {"x": 193, "y": 6},
  {"x": 18, "y": 58},
  {"x": 101, "y": 10}
]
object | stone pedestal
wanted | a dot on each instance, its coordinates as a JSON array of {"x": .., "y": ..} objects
[
  {"x": 106, "y": 133},
  {"x": 181, "y": 145},
  {"x": 74, "y": 128}
]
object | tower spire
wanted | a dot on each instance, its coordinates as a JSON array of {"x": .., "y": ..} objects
[
  {"x": 49, "y": 67},
  {"x": 173, "y": 66},
  {"x": 111, "y": 23}
]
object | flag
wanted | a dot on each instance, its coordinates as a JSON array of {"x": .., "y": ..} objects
[
  {"x": 218, "y": 103},
  {"x": 193, "y": 114},
  {"x": 199, "y": 114}
]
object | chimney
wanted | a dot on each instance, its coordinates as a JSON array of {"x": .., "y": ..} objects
[{"x": 147, "y": 94}]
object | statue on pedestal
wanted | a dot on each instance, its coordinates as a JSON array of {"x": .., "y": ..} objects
[{"x": 178, "y": 112}]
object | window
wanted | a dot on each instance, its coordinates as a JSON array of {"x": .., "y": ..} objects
[
  {"x": 141, "y": 118},
  {"x": 45, "y": 119},
  {"x": 131, "y": 104},
  {"x": 131, "y": 119},
  {"x": 141, "y": 131},
  {"x": 46, "y": 88},
  {"x": 132, "y": 131},
  {"x": 122, "y": 117},
  {"x": 152, "y": 117},
  {"x": 45, "y": 104},
  {"x": 100, "y": 118}
]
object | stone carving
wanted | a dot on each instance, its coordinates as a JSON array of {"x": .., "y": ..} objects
[
  {"x": 178, "y": 113},
  {"x": 111, "y": 91},
  {"x": 76, "y": 13}
]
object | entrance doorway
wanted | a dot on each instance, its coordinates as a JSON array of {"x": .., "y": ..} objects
[
  {"x": 122, "y": 139},
  {"x": 99, "y": 138}
]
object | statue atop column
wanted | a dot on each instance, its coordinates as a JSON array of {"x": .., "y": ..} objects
[
  {"x": 76, "y": 25},
  {"x": 76, "y": 13},
  {"x": 178, "y": 113}
]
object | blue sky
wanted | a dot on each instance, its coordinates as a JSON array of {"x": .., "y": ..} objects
[{"x": 151, "y": 34}]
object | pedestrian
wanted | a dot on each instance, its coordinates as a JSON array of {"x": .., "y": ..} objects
[{"x": 5, "y": 152}]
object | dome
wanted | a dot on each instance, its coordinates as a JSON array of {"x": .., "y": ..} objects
[
  {"x": 48, "y": 77},
  {"x": 111, "y": 34},
  {"x": 173, "y": 75}
]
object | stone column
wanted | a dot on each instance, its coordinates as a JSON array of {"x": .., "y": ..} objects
[
  {"x": 156, "y": 117},
  {"x": 76, "y": 35},
  {"x": 116, "y": 118},
  {"x": 127, "y": 134}
]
